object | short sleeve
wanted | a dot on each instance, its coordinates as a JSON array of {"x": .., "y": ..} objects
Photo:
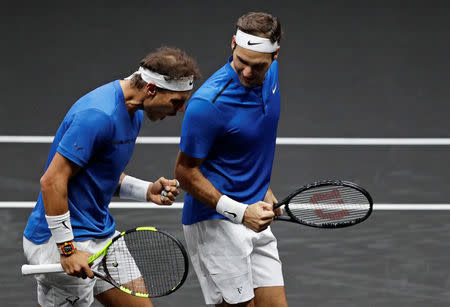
[
  {"x": 202, "y": 125},
  {"x": 86, "y": 132}
]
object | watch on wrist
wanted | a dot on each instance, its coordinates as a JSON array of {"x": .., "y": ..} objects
[{"x": 67, "y": 248}]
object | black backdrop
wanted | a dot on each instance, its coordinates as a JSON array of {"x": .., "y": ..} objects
[{"x": 347, "y": 69}]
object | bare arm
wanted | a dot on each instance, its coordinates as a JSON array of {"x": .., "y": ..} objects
[
  {"x": 257, "y": 216},
  {"x": 54, "y": 184},
  {"x": 116, "y": 193},
  {"x": 192, "y": 180},
  {"x": 54, "y": 193}
]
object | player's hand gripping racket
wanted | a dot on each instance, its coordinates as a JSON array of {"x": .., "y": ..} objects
[
  {"x": 144, "y": 262},
  {"x": 327, "y": 204}
]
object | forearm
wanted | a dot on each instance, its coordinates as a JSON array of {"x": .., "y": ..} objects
[
  {"x": 54, "y": 195},
  {"x": 192, "y": 181}
]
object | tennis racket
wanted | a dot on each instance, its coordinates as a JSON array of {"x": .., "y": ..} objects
[
  {"x": 144, "y": 262},
  {"x": 327, "y": 204}
]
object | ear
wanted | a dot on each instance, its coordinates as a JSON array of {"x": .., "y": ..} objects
[
  {"x": 150, "y": 89},
  {"x": 276, "y": 53},
  {"x": 233, "y": 42}
]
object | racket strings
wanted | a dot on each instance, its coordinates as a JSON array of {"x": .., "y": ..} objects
[
  {"x": 146, "y": 262},
  {"x": 329, "y": 205}
]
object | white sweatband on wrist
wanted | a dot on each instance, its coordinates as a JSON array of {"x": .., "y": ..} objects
[
  {"x": 133, "y": 188},
  {"x": 232, "y": 209},
  {"x": 60, "y": 227}
]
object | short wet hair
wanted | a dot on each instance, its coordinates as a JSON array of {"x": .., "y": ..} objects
[{"x": 261, "y": 24}]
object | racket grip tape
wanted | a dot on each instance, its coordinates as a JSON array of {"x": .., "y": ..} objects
[{"x": 29, "y": 269}]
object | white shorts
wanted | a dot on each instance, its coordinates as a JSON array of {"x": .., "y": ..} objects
[
  {"x": 60, "y": 289},
  {"x": 231, "y": 260}
]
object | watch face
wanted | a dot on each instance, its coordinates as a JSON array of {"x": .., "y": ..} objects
[{"x": 67, "y": 249}]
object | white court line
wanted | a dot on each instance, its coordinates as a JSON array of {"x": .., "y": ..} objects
[
  {"x": 137, "y": 205},
  {"x": 280, "y": 141},
  {"x": 115, "y": 205}
]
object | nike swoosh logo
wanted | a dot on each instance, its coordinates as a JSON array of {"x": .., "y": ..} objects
[
  {"x": 64, "y": 223},
  {"x": 72, "y": 299},
  {"x": 274, "y": 89},
  {"x": 250, "y": 43},
  {"x": 231, "y": 213}
]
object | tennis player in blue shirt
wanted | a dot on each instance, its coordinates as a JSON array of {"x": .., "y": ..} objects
[
  {"x": 225, "y": 162},
  {"x": 85, "y": 166}
]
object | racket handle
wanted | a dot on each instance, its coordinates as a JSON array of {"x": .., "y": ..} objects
[
  {"x": 29, "y": 269},
  {"x": 278, "y": 205}
]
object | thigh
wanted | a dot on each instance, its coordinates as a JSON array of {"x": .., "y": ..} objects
[
  {"x": 264, "y": 297},
  {"x": 270, "y": 297},
  {"x": 250, "y": 303},
  {"x": 116, "y": 298}
]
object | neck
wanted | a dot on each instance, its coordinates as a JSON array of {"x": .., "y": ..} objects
[{"x": 134, "y": 98}]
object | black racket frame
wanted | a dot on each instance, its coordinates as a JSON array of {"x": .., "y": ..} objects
[
  {"x": 109, "y": 279},
  {"x": 292, "y": 218}
]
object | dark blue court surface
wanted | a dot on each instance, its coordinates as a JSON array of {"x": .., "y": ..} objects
[{"x": 347, "y": 69}]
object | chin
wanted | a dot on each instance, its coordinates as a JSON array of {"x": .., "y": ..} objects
[
  {"x": 153, "y": 117},
  {"x": 245, "y": 83},
  {"x": 249, "y": 84}
]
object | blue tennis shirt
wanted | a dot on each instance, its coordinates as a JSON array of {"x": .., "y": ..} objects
[
  {"x": 99, "y": 135},
  {"x": 234, "y": 129}
]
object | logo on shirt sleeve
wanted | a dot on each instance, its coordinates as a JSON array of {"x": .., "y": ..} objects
[{"x": 77, "y": 148}]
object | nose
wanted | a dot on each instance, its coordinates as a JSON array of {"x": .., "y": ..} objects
[
  {"x": 179, "y": 108},
  {"x": 176, "y": 110},
  {"x": 247, "y": 72},
  {"x": 182, "y": 108}
]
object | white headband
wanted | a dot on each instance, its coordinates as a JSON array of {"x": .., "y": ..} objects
[
  {"x": 177, "y": 85},
  {"x": 255, "y": 43}
]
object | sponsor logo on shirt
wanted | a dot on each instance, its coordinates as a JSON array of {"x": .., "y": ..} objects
[{"x": 124, "y": 142}]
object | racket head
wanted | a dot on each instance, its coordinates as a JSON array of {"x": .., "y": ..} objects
[
  {"x": 328, "y": 204},
  {"x": 145, "y": 262}
]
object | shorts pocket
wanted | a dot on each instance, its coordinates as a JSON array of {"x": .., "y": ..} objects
[
  {"x": 235, "y": 288},
  {"x": 232, "y": 276}
]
